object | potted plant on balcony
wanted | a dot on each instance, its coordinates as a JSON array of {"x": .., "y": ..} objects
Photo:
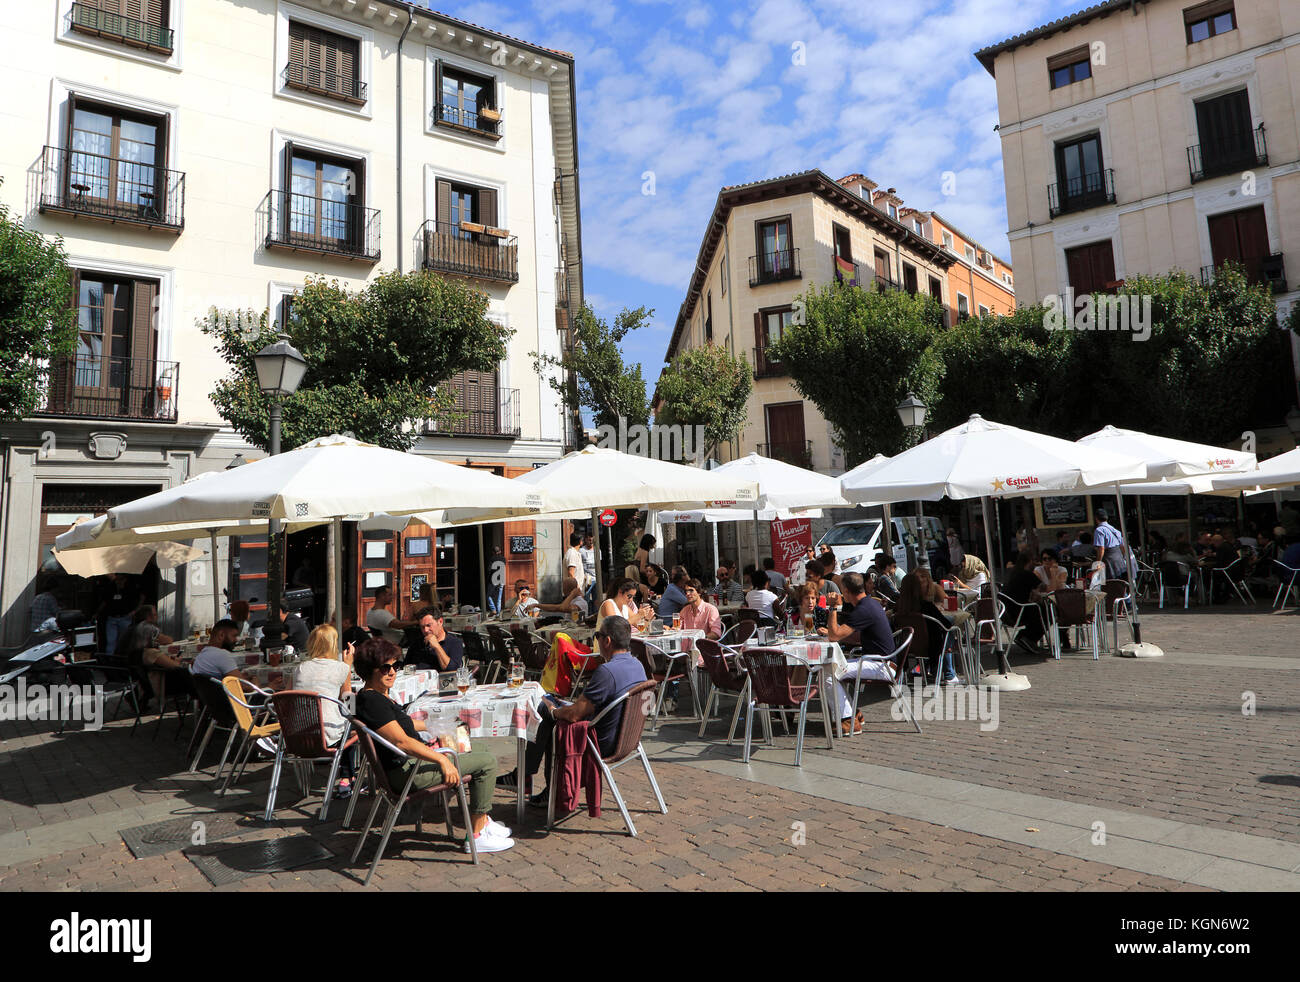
[
  {"x": 497, "y": 233},
  {"x": 164, "y": 390},
  {"x": 473, "y": 227},
  {"x": 487, "y": 112}
]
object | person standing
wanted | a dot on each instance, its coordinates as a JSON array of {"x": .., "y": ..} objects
[
  {"x": 588, "y": 553},
  {"x": 496, "y": 579},
  {"x": 118, "y": 599},
  {"x": 1110, "y": 546},
  {"x": 955, "y": 552},
  {"x": 573, "y": 565}
]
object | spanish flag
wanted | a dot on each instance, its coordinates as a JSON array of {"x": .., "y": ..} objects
[{"x": 845, "y": 271}]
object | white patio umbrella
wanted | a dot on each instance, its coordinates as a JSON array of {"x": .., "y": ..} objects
[
  {"x": 593, "y": 478},
  {"x": 326, "y": 480},
  {"x": 1165, "y": 458},
  {"x": 126, "y": 559},
  {"x": 982, "y": 459},
  {"x": 1282, "y": 471},
  {"x": 861, "y": 473}
]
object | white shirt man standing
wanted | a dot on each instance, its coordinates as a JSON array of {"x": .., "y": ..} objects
[{"x": 573, "y": 565}]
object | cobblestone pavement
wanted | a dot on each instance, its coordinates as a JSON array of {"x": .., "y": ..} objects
[{"x": 1164, "y": 740}]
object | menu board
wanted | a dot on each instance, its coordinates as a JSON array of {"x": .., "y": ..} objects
[
  {"x": 1070, "y": 509},
  {"x": 521, "y": 544}
]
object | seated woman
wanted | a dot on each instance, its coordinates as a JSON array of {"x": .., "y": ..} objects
[
  {"x": 142, "y": 645},
  {"x": 1024, "y": 587},
  {"x": 699, "y": 615},
  {"x": 240, "y": 615},
  {"x": 1050, "y": 573},
  {"x": 809, "y": 612},
  {"x": 325, "y": 672},
  {"x": 1181, "y": 551},
  {"x": 972, "y": 574},
  {"x": 619, "y": 600},
  {"x": 656, "y": 582},
  {"x": 916, "y": 596},
  {"x": 377, "y": 662}
]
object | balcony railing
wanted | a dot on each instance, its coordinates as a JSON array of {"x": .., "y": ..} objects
[
  {"x": 1267, "y": 270},
  {"x": 798, "y": 454},
  {"x": 1238, "y": 152},
  {"x": 318, "y": 81},
  {"x": 301, "y": 223},
  {"x": 498, "y": 418},
  {"x": 103, "y": 387},
  {"x": 1078, "y": 193},
  {"x": 485, "y": 121},
  {"x": 765, "y": 366},
  {"x": 483, "y": 255},
  {"x": 85, "y": 19},
  {"x": 881, "y": 283},
  {"x": 73, "y": 182},
  {"x": 773, "y": 267}
]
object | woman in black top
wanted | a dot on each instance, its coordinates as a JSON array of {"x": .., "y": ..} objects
[
  {"x": 914, "y": 598},
  {"x": 377, "y": 662},
  {"x": 1024, "y": 587}
]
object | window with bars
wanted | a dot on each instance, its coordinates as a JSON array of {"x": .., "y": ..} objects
[
  {"x": 324, "y": 63},
  {"x": 466, "y": 101},
  {"x": 139, "y": 23}
]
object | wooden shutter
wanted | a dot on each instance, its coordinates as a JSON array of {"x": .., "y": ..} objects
[
  {"x": 444, "y": 201},
  {"x": 63, "y": 369},
  {"x": 297, "y": 49},
  {"x": 347, "y": 52},
  {"x": 487, "y": 207},
  {"x": 1252, "y": 232},
  {"x": 156, "y": 12},
  {"x": 108, "y": 6},
  {"x": 144, "y": 294},
  {"x": 1223, "y": 238}
]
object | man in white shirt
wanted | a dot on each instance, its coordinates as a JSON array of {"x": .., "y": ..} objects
[
  {"x": 588, "y": 554},
  {"x": 760, "y": 598},
  {"x": 573, "y": 565},
  {"x": 383, "y": 620}
]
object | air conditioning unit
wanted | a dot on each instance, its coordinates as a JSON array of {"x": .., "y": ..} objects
[{"x": 986, "y": 259}]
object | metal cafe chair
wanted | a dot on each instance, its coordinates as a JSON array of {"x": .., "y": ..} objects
[
  {"x": 1287, "y": 582},
  {"x": 303, "y": 740},
  {"x": 1118, "y": 604},
  {"x": 1069, "y": 608},
  {"x": 1234, "y": 573},
  {"x": 773, "y": 690},
  {"x": 665, "y": 668},
  {"x": 900, "y": 657},
  {"x": 726, "y": 679},
  {"x": 1175, "y": 576}
]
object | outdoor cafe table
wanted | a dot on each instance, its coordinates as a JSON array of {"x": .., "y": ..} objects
[
  {"x": 819, "y": 654},
  {"x": 673, "y": 642},
  {"x": 489, "y": 711},
  {"x": 578, "y": 632}
]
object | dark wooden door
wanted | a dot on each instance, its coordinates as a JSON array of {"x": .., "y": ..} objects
[
  {"x": 1090, "y": 267},
  {"x": 1240, "y": 236},
  {"x": 1223, "y": 127},
  {"x": 785, "y": 433}
]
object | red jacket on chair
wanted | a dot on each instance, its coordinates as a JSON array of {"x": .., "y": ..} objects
[{"x": 577, "y": 767}]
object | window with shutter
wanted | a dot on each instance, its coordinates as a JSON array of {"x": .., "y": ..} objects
[
  {"x": 464, "y": 236},
  {"x": 466, "y": 102},
  {"x": 324, "y": 63},
  {"x": 139, "y": 23}
]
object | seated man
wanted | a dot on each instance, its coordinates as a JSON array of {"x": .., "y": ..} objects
[
  {"x": 216, "y": 661},
  {"x": 727, "y": 589},
  {"x": 760, "y": 598},
  {"x": 674, "y": 598},
  {"x": 865, "y": 625},
  {"x": 45, "y": 608},
  {"x": 294, "y": 631},
  {"x": 381, "y": 621},
  {"x": 436, "y": 649},
  {"x": 524, "y": 604},
  {"x": 573, "y": 599},
  {"x": 698, "y": 615},
  {"x": 618, "y": 673}
]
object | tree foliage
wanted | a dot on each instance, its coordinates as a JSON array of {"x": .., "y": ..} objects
[
  {"x": 705, "y": 387},
  {"x": 375, "y": 358},
  {"x": 856, "y": 355},
  {"x": 38, "y": 321},
  {"x": 606, "y": 385}
]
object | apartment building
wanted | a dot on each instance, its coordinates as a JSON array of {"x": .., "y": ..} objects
[
  {"x": 1139, "y": 136},
  {"x": 201, "y": 153}
]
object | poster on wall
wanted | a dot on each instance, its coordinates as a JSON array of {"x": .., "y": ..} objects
[{"x": 791, "y": 538}]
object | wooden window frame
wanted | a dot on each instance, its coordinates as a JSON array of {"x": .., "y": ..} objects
[
  {"x": 759, "y": 225},
  {"x": 118, "y": 114},
  {"x": 122, "y": 9},
  {"x": 354, "y": 221},
  {"x": 488, "y": 83},
  {"x": 1208, "y": 13},
  {"x": 313, "y": 34},
  {"x": 1071, "y": 60}
]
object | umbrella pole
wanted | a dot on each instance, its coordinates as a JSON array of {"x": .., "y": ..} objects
[
  {"x": 758, "y": 563},
  {"x": 336, "y": 564},
  {"x": 595, "y": 545},
  {"x": 1007, "y": 681},
  {"x": 715, "y": 547},
  {"x": 216, "y": 584},
  {"x": 482, "y": 571},
  {"x": 886, "y": 540},
  {"x": 1132, "y": 573}
]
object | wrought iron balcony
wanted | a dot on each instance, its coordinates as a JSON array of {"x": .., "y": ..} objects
[
  {"x": 478, "y": 415},
  {"x": 73, "y": 182},
  {"x": 489, "y": 254},
  {"x": 881, "y": 283},
  {"x": 851, "y": 276},
  {"x": 798, "y": 454},
  {"x": 485, "y": 121},
  {"x": 301, "y": 223},
  {"x": 1239, "y": 152},
  {"x": 105, "y": 387},
  {"x": 1079, "y": 193},
  {"x": 85, "y": 19},
  {"x": 765, "y": 366},
  {"x": 330, "y": 84},
  {"x": 774, "y": 267},
  {"x": 1267, "y": 270}
]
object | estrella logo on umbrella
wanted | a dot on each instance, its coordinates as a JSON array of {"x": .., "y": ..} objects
[
  {"x": 1220, "y": 463},
  {"x": 1019, "y": 483}
]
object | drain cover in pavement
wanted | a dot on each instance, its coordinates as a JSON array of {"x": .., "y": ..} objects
[
  {"x": 233, "y": 863},
  {"x": 177, "y": 833}
]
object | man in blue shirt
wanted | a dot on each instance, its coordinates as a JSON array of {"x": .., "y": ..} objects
[
  {"x": 1110, "y": 547},
  {"x": 674, "y": 598},
  {"x": 619, "y": 672},
  {"x": 436, "y": 649},
  {"x": 864, "y": 624},
  {"x": 1291, "y": 557}
]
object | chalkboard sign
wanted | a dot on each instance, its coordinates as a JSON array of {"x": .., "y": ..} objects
[
  {"x": 521, "y": 544},
  {"x": 417, "y": 581},
  {"x": 1065, "y": 510}
]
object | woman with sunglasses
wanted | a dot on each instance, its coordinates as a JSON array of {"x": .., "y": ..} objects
[
  {"x": 377, "y": 662},
  {"x": 620, "y": 600}
]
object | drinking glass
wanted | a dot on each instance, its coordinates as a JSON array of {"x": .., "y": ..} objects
[
  {"x": 677, "y": 622},
  {"x": 463, "y": 679},
  {"x": 516, "y": 675}
]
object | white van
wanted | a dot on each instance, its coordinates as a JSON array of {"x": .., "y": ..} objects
[{"x": 855, "y": 543}]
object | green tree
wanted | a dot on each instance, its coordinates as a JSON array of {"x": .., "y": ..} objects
[
  {"x": 605, "y": 384},
  {"x": 375, "y": 358},
  {"x": 37, "y": 320},
  {"x": 1011, "y": 369},
  {"x": 856, "y": 356},
  {"x": 705, "y": 387}
]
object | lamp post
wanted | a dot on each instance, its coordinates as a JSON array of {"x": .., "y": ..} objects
[
  {"x": 912, "y": 412},
  {"x": 280, "y": 370}
]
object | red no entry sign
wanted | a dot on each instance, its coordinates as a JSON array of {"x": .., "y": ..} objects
[{"x": 608, "y": 517}]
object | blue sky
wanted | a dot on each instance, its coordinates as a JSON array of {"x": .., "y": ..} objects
[{"x": 705, "y": 94}]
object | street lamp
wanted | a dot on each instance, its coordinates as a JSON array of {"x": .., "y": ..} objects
[
  {"x": 280, "y": 370},
  {"x": 912, "y": 412}
]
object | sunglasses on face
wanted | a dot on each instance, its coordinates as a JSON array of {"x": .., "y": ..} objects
[{"x": 388, "y": 667}]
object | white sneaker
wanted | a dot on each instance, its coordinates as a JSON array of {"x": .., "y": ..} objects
[
  {"x": 497, "y": 829},
  {"x": 485, "y": 841}
]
